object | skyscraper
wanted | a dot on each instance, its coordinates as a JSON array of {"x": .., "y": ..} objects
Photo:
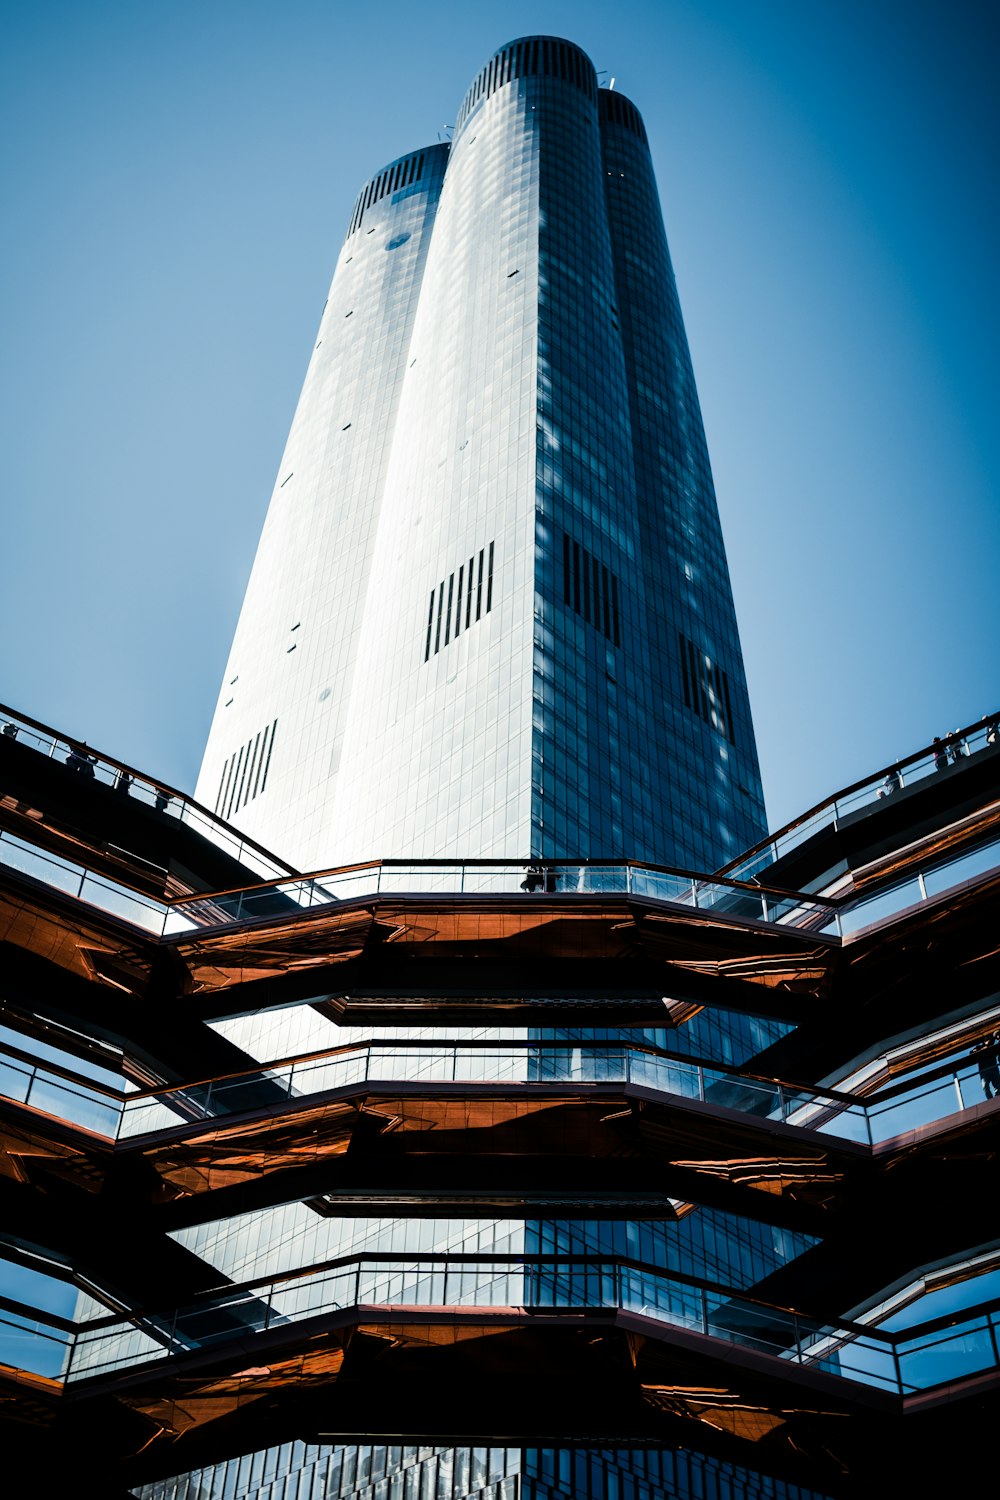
[
  {"x": 516, "y": 1166},
  {"x": 490, "y": 613}
]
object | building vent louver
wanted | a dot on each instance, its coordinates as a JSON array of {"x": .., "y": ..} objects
[
  {"x": 621, "y": 111},
  {"x": 244, "y": 775},
  {"x": 399, "y": 174},
  {"x": 706, "y": 688},
  {"x": 531, "y": 55},
  {"x": 590, "y": 588},
  {"x": 459, "y": 601}
]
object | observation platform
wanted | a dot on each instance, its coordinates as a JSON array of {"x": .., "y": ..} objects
[{"x": 865, "y": 1125}]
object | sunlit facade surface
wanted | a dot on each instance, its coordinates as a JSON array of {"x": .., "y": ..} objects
[{"x": 490, "y": 612}]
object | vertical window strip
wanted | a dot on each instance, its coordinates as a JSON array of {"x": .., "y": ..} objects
[
  {"x": 694, "y": 664},
  {"x": 470, "y": 578},
  {"x": 222, "y": 782},
  {"x": 260, "y": 763},
  {"x": 243, "y": 777},
  {"x": 730, "y": 725},
  {"x": 236, "y": 777},
  {"x": 229, "y": 781},
  {"x": 270, "y": 748},
  {"x": 706, "y": 702},
  {"x": 253, "y": 764},
  {"x": 245, "y": 772},
  {"x": 437, "y": 632},
  {"x": 590, "y": 587},
  {"x": 684, "y": 673}
]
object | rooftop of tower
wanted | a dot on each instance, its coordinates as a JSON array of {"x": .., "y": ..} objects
[
  {"x": 405, "y": 172},
  {"x": 527, "y": 56}
]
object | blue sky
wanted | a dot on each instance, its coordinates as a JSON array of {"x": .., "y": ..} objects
[{"x": 177, "y": 180}]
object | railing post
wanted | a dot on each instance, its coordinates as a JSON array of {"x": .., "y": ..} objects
[
  {"x": 993, "y": 1339},
  {"x": 920, "y": 885},
  {"x": 701, "y": 1083},
  {"x": 763, "y": 905}
]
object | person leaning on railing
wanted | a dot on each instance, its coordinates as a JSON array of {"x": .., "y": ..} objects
[{"x": 892, "y": 783}]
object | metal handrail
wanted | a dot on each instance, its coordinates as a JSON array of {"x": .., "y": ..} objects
[{"x": 872, "y": 780}]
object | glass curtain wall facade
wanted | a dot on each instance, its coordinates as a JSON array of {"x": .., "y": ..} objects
[
  {"x": 490, "y": 615},
  {"x": 276, "y": 739}
]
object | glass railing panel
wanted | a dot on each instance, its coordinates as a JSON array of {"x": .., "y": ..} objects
[
  {"x": 951, "y": 1354},
  {"x": 33, "y": 1346},
  {"x": 656, "y": 1297},
  {"x": 850, "y": 1355},
  {"x": 943, "y": 1096},
  {"x": 224, "y": 1318},
  {"x": 668, "y": 1075},
  {"x": 792, "y": 911},
  {"x": 968, "y": 866},
  {"x": 120, "y": 902},
  {"x": 15, "y": 1080},
  {"x": 305, "y": 1298},
  {"x": 754, "y": 1096},
  {"x": 116, "y": 1348},
  {"x": 499, "y": 880},
  {"x": 77, "y": 1106},
  {"x": 877, "y": 908},
  {"x": 349, "y": 885},
  {"x": 47, "y": 868},
  {"x": 849, "y": 1122},
  {"x": 749, "y": 1324},
  {"x": 612, "y": 880},
  {"x": 417, "y": 879},
  {"x": 659, "y": 885},
  {"x": 729, "y": 901},
  {"x": 146, "y": 1116},
  {"x": 325, "y": 1073}
]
